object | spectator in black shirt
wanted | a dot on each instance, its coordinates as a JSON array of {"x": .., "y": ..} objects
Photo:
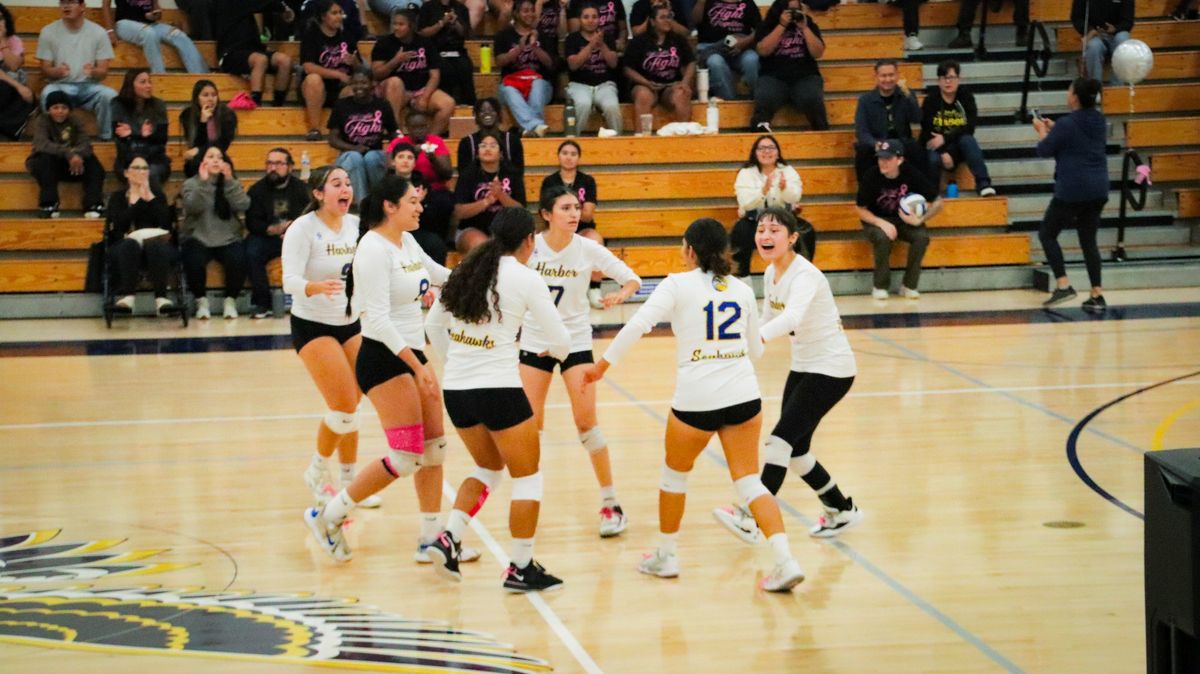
[
  {"x": 484, "y": 188},
  {"x": 276, "y": 200},
  {"x": 612, "y": 21},
  {"x": 593, "y": 65},
  {"x": 329, "y": 57},
  {"x": 140, "y": 126},
  {"x": 640, "y": 17},
  {"x": 887, "y": 111},
  {"x": 661, "y": 68},
  {"x": 16, "y": 98},
  {"x": 948, "y": 118},
  {"x": 526, "y": 66},
  {"x": 879, "y": 194},
  {"x": 410, "y": 69},
  {"x": 240, "y": 50},
  {"x": 359, "y": 126},
  {"x": 487, "y": 118},
  {"x": 205, "y": 122},
  {"x": 140, "y": 207},
  {"x": 725, "y": 30},
  {"x": 789, "y": 44},
  {"x": 449, "y": 24}
]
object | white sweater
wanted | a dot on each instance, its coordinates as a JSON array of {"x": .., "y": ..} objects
[{"x": 749, "y": 190}]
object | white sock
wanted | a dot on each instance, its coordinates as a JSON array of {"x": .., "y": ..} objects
[
  {"x": 522, "y": 552},
  {"x": 780, "y": 548},
  {"x": 457, "y": 523},
  {"x": 608, "y": 495},
  {"x": 347, "y": 473},
  {"x": 338, "y": 508},
  {"x": 429, "y": 526},
  {"x": 667, "y": 543}
]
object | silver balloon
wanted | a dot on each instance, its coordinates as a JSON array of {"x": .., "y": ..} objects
[{"x": 1132, "y": 61}]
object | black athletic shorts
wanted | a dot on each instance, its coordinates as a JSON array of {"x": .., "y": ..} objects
[
  {"x": 377, "y": 364},
  {"x": 495, "y": 408},
  {"x": 305, "y": 331},
  {"x": 715, "y": 420},
  {"x": 237, "y": 61},
  {"x": 547, "y": 363}
]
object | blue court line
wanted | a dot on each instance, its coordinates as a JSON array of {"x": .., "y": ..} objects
[{"x": 912, "y": 597}]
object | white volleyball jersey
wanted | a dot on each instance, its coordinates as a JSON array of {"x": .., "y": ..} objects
[
  {"x": 800, "y": 304},
  {"x": 312, "y": 252},
  {"x": 389, "y": 281},
  {"x": 715, "y": 322},
  {"x": 485, "y": 355},
  {"x": 567, "y": 274}
]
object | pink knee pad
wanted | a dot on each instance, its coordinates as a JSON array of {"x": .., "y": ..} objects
[{"x": 409, "y": 439}]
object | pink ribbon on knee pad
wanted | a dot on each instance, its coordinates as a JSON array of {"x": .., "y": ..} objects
[{"x": 410, "y": 439}]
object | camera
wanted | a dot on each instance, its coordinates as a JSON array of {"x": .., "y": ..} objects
[
  {"x": 796, "y": 14},
  {"x": 731, "y": 41}
]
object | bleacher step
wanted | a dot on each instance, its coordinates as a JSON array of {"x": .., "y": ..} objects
[{"x": 1128, "y": 275}]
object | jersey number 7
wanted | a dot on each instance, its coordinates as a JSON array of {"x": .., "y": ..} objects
[
  {"x": 557, "y": 292},
  {"x": 723, "y": 331}
]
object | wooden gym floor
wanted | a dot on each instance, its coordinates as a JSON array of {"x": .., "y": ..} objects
[{"x": 173, "y": 483}]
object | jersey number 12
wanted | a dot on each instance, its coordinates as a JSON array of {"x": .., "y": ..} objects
[{"x": 723, "y": 331}]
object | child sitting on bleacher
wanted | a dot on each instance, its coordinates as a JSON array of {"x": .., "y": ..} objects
[{"x": 62, "y": 150}]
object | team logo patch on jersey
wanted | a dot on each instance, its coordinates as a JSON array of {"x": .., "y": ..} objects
[{"x": 720, "y": 284}]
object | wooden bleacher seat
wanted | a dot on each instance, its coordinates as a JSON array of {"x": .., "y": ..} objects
[
  {"x": 1143, "y": 133},
  {"x": 1175, "y": 166},
  {"x": 35, "y": 275},
  {"x": 1152, "y": 98},
  {"x": 1189, "y": 203}
]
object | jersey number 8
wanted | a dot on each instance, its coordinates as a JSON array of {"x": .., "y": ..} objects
[{"x": 723, "y": 331}]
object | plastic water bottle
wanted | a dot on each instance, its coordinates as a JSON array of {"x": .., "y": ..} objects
[
  {"x": 305, "y": 166},
  {"x": 952, "y": 190},
  {"x": 702, "y": 84},
  {"x": 713, "y": 119},
  {"x": 569, "y": 120},
  {"x": 485, "y": 60}
]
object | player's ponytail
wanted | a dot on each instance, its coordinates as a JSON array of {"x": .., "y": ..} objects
[
  {"x": 465, "y": 293},
  {"x": 708, "y": 240}
]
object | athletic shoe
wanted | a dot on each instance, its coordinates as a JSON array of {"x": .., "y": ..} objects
[
  {"x": 595, "y": 298},
  {"x": 1059, "y": 295},
  {"x": 371, "y": 502},
  {"x": 258, "y": 313},
  {"x": 124, "y": 305},
  {"x": 314, "y": 477},
  {"x": 230, "y": 308},
  {"x": 94, "y": 212},
  {"x": 764, "y": 127},
  {"x": 740, "y": 522},
  {"x": 48, "y": 212},
  {"x": 655, "y": 564},
  {"x": 879, "y": 293},
  {"x": 532, "y": 578},
  {"x": 909, "y": 293},
  {"x": 1095, "y": 304},
  {"x": 961, "y": 41},
  {"x": 834, "y": 521},
  {"x": 913, "y": 43},
  {"x": 329, "y": 538},
  {"x": 202, "y": 311},
  {"x": 987, "y": 191},
  {"x": 783, "y": 577},
  {"x": 612, "y": 521},
  {"x": 466, "y": 554},
  {"x": 163, "y": 306},
  {"x": 445, "y": 552},
  {"x": 607, "y": 133}
]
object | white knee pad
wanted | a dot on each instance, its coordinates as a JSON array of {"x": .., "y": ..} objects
[
  {"x": 435, "y": 452},
  {"x": 750, "y": 488},
  {"x": 804, "y": 464},
  {"x": 489, "y": 478},
  {"x": 593, "y": 440},
  {"x": 673, "y": 481},
  {"x": 341, "y": 423},
  {"x": 401, "y": 464},
  {"x": 528, "y": 488},
  {"x": 777, "y": 452}
]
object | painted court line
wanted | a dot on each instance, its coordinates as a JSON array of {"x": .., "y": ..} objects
[
  {"x": 912, "y": 597},
  {"x": 556, "y": 624},
  {"x": 367, "y": 412}
]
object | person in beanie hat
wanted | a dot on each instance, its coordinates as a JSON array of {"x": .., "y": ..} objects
[{"x": 63, "y": 151}]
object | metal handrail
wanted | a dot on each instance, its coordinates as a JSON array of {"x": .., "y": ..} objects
[
  {"x": 1037, "y": 62},
  {"x": 1128, "y": 198}
]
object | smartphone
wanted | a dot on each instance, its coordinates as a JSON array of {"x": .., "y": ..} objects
[{"x": 1037, "y": 114}]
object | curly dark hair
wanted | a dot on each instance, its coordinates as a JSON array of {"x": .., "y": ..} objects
[{"x": 466, "y": 292}]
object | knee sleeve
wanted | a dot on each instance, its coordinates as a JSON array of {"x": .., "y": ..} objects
[
  {"x": 528, "y": 488},
  {"x": 804, "y": 464},
  {"x": 407, "y": 444},
  {"x": 777, "y": 451},
  {"x": 673, "y": 481},
  {"x": 593, "y": 440},
  {"x": 435, "y": 452},
  {"x": 489, "y": 478},
  {"x": 750, "y": 488},
  {"x": 341, "y": 423}
]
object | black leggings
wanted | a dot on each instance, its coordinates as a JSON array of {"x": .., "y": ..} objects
[
  {"x": 807, "y": 398},
  {"x": 1086, "y": 218}
]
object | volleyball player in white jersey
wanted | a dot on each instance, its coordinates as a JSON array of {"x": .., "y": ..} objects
[
  {"x": 715, "y": 322},
  {"x": 566, "y": 260},
  {"x": 392, "y": 275},
  {"x": 798, "y": 302},
  {"x": 317, "y": 249},
  {"x": 474, "y": 325}
]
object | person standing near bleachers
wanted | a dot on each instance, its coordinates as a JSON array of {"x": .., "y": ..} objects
[
  {"x": 212, "y": 200},
  {"x": 661, "y": 68},
  {"x": 948, "y": 118},
  {"x": 1103, "y": 25},
  {"x": 206, "y": 122},
  {"x": 139, "y": 22},
  {"x": 449, "y": 23},
  {"x": 887, "y": 111},
  {"x": 1077, "y": 143},
  {"x": 726, "y": 33},
  {"x": 789, "y": 44},
  {"x": 240, "y": 50},
  {"x": 74, "y": 55},
  {"x": 16, "y": 98},
  {"x": 62, "y": 150},
  {"x": 276, "y": 200},
  {"x": 140, "y": 125},
  {"x": 359, "y": 127}
]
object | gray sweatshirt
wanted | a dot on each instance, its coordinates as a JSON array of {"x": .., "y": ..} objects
[{"x": 200, "y": 212}]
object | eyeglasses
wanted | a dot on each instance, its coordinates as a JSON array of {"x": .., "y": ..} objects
[
  {"x": 134, "y": 167},
  {"x": 767, "y": 148}
]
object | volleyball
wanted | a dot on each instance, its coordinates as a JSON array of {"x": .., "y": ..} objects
[
  {"x": 914, "y": 204},
  {"x": 1132, "y": 61}
]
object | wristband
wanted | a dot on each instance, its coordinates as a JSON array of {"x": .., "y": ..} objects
[{"x": 109, "y": 30}]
